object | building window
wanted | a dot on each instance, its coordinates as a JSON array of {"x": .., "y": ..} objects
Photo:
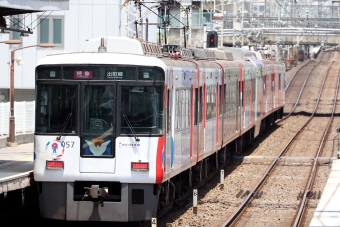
[
  {"x": 15, "y": 24},
  {"x": 258, "y": 9},
  {"x": 51, "y": 30}
]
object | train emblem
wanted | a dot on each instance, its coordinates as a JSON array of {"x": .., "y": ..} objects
[
  {"x": 98, "y": 146},
  {"x": 55, "y": 149}
]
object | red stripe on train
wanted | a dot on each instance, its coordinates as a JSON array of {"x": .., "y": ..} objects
[{"x": 159, "y": 164}]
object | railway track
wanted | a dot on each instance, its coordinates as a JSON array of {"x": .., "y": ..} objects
[{"x": 248, "y": 212}]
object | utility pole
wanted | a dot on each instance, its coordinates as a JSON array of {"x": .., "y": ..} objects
[
  {"x": 139, "y": 20},
  {"x": 204, "y": 36},
  {"x": 185, "y": 33},
  {"x": 130, "y": 19},
  {"x": 222, "y": 28},
  {"x": 238, "y": 23}
]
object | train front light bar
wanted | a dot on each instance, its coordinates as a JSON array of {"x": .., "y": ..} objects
[
  {"x": 54, "y": 165},
  {"x": 140, "y": 166}
]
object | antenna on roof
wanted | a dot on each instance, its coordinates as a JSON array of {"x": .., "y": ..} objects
[{"x": 102, "y": 47}]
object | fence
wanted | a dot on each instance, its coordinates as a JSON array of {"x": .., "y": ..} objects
[{"x": 24, "y": 113}]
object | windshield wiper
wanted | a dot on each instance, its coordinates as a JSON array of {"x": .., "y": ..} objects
[
  {"x": 130, "y": 126},
  {"x": 64, "y": 126}
]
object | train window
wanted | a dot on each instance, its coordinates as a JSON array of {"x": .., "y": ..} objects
[
  {"x": 248, "y": 91},
  {"x": 186, "y": 115},
  {"x": 264, "y": 86},
  {"x": 188, "y": 106},
  {"x": 253, "y": 84},
  {"x": 283, "y": 81},
  {"x": 232, "y": 95},
  {"x": 98, "y": 124},
  {"x": 200, "y": 110},
  {"x": 48, "y": 73},
  {"x": 142, "y": 110},
  {"x": 208, "y": 103},
  {"x": 178, "y": 109},
  {"x": 182, "y": 108},
  {"x": 211, "y": 102},
  {"x": 56, "y": 108},
  {"x": 151, "y": 73},
  {"x": 226, "y": 99},
  {"x": 241, "y": 94},
  {"x": 220, "y": 100},
  {"x": 196, "y": 107},
  {"x": 99, "y": 73},
  {"x": 169, "y": 110}
]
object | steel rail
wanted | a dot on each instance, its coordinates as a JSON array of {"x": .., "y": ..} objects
[
  {"x": 291, "y": 79},
  {"x": 302, "y": 88},
  {"x": 313, "y": 173},
  {"x": 186, "y": 195},
  {"x": 297, "y": 101}
]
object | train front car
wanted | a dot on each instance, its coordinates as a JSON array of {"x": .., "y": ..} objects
[{"x": 99, "y": 134}]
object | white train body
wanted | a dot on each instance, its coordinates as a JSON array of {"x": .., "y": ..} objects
[{"x": 167, "y": 116}]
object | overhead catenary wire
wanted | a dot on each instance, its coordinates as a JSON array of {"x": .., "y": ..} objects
[
  {"x": 298, "y": 22},
  {"x": 40, "y": 20}
]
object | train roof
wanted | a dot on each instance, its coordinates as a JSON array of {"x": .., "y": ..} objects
[
  {"x": 136, "y": 46},
  {"x": 100, "y": 58},
  {"x": 244, "y": 53},
  {"x": 132, "y": 51}
]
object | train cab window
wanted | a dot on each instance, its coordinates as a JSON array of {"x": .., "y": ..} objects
[
  {"x": 52, "y": 73},
  {"x": 150, "y": 73},
  {"x": 141, "y": 110},
  {"x": 56, "y": 108},
  {"x": 98, "y": 120}
]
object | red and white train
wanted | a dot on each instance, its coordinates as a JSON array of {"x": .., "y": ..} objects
[{"x": 122, "y": 130}]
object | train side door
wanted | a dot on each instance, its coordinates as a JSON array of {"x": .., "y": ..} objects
[
  {"x": 268, "y": 89},
  {"x": 170, "y": 150},
  {"x": 264, "y": 95}
]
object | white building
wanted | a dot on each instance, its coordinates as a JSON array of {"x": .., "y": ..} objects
[{"x": 67, "y": 29}]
